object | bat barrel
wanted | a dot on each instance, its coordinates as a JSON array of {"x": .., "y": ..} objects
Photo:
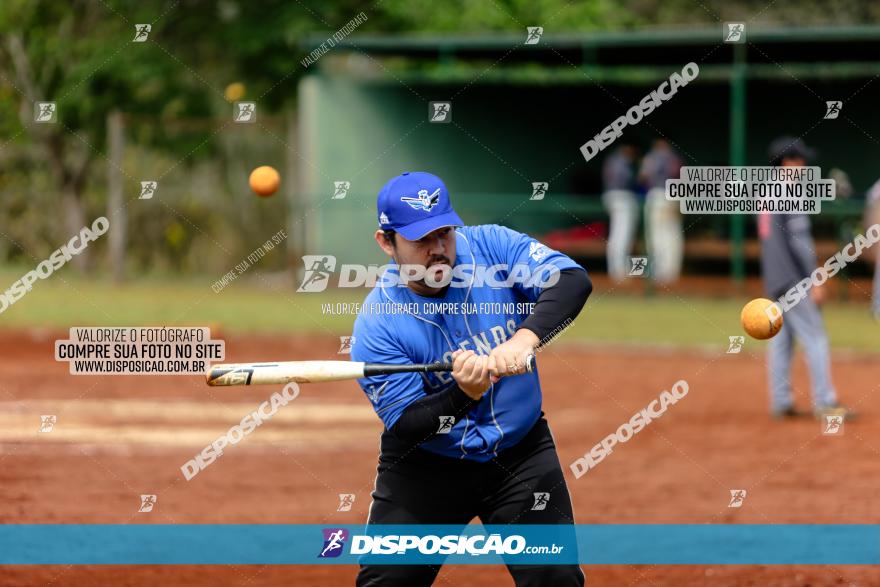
[{"x": 283, "y": 372}]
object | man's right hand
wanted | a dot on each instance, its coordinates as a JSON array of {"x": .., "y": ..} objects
[{"x": 471, "y": 372}]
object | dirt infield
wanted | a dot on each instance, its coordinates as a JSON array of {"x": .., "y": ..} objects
[{"x": 119, "y": 437}]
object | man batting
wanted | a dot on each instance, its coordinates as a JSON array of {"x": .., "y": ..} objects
[{"x": 473, "y": 442}]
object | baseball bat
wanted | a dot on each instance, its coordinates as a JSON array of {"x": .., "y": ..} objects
[{"x": 315, "y": 371}]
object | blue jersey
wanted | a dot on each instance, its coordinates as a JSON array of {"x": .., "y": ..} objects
[{"x": 399, "y": 326}]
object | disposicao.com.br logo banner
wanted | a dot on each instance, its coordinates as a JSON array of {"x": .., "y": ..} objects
[
  {"x": 310, "y": 544},
  {"x": 434, "y": 544}
]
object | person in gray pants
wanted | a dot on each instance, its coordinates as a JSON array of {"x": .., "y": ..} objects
[{"x": 787, "y": 256}]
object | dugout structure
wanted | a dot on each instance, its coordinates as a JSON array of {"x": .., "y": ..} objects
[{"x": 520, "y": 113}]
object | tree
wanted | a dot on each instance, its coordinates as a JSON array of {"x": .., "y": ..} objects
[{"x": 80, "y": 55}]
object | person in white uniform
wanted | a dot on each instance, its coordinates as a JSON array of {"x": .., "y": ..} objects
[
  {"x": 619, "y": 198},
  {"x": 662, "y": 217}
]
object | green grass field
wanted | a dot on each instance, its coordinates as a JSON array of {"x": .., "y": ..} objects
[{"x": 248, "y": 305}]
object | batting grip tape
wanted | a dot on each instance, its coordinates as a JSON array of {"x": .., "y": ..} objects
[{"x": 377, "y": 369}]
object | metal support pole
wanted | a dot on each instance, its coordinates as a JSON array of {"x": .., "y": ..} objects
[{"x": 738, "y": 157}]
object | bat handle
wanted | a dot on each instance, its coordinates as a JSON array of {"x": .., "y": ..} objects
[
  {"x": 530, "y": 365},
  {"x": 371, "y": 369}
]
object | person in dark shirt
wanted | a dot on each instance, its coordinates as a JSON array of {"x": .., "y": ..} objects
[
  {"x": 619, "y": 198},
  {"x": 662, "y": 217},
  {"x": 788, "y": 255}
]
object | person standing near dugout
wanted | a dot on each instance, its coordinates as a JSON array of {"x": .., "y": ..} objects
[
  {"x": 619, "y": 198},
  {"x": 663, "y": 231},
  {"x": 788, "y": 255},
  {"x": 473, "y": 442}
]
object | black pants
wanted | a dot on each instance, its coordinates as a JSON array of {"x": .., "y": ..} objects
[{"x": 415, "y": 486}]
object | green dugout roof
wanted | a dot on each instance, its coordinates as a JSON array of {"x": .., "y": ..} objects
[
  {"x": 410, "y": 44},
  {"x": 636, "y": 56},
  {"x": 768, "y": 55}
]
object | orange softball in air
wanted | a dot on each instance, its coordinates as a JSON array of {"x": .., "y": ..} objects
[
  {"x": 761, "y": 318},
  {"x": 264, "y": 181}
]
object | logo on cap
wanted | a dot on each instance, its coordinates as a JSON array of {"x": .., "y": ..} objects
[
  {"x": 414, "y": 204},
  {"x": 423, "y": 201}
]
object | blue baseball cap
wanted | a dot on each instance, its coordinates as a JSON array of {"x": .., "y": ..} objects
[{"x": 415, "y": 203}]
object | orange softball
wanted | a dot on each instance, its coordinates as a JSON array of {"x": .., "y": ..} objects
[
  {"x": 761, "y": 318},
  {"x": 264, "y": 181}
]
